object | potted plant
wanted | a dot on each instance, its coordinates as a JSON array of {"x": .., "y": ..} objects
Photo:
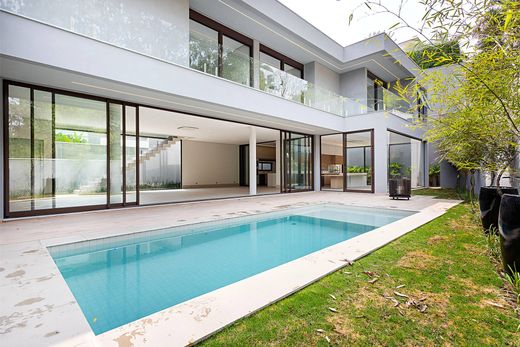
[
  {"x": 398, "y": 186},
  {"x": 434, "y": 175},
  {"x": 509, "y": 230}
]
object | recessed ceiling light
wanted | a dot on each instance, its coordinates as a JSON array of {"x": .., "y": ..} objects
[{"x": 188, "y": 128}]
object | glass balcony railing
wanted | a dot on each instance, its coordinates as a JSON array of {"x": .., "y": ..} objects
[{"x": 237, "y": 66}]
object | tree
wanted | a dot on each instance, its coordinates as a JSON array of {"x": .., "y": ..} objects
[{"x": 478, "y": 103}]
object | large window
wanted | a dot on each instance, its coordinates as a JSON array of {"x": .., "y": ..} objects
[
  {"x": 218, "y": 50},
  {"x": 347, "y": 161},
  {"x": 359, "y": 161},
  {"x": 375, "y": 86},
  {"x": 405, "y": 159},
  {"x": 57, "y": 150},
  {"x": 66, "y": 151}
]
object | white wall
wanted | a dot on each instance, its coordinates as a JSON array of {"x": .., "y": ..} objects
[
  {"x": 353, "y": 85},
  {"x": 158, "y": 28},
  {"x": 205, "y": 163},
  {"x": 321, "y": 76}
]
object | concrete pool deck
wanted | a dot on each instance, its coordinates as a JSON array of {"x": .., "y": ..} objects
[{"x": 37, "y": 307}]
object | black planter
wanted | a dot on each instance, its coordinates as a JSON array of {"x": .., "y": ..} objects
[
  {"x": 399, "y": 188},
  {"x": 509, "y": 228},
  {"x": 489, "y": 201}
]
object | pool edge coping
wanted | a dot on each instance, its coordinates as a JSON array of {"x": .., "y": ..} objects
[{"x": 194, "y": 313}]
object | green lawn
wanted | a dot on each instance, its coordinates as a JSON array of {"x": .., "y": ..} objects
[
  {"x": 443, "y": 193},
  {"x": 443, "y": 265}
]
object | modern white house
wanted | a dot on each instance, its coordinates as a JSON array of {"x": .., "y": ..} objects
[{"x": 108, "y": 104}]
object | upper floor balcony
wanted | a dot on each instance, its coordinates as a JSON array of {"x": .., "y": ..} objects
[{"x": 234, "y": 59}]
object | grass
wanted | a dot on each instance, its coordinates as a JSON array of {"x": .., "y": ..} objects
[
  {"x": 444, "y": 265},
  {"x": 441, "y": 193}
]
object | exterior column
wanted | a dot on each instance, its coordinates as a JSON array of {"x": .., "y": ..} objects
[
  {"x": 381, "y": 160},
  {"x": 317, "y": 163},
  {"x": 252, "y": 161}
]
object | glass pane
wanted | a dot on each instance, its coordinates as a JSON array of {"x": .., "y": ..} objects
[
  {"x": 19, "y": 131},
  {"x": 203, "y": 48},
  {"x": 269, "y": 60},
  {"x": 159, "y": 156},
  {"x": 131, "y": 154},
  {"x": 236, "y": 61},
  {"x": 116, "y": 153},
  {"x": 405, "y": 159},
  {"x": 43, "y": 162},
  {"x": 292, "y": 70},
  {"x": 300, "y": 162},
  {"x": 332, "y": 162},
  {"x": 81, "y": 151},
  {"x": 358, "y": 161}
]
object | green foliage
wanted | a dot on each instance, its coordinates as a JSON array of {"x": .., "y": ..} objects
[
  {"x": 435, "y": 169},
  {"x": 70, "y": 138},
  {"x": 357, "y": 169},
  {"x": 395, "y": 169},
  {"x": 514, "y": 281},
  {"x": 160, "y": 185},
  {"x": 443, "y": 262},
  {"x": 436, "y": 55}
]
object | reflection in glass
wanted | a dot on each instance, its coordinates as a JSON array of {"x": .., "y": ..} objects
[
  {"x": 81, "y": 151},
  {"x": 204, "y": 49},
  {"x": 236, "y": 61},
  {"x": 358, "y": 153},
  {"x": 57, "y": 155},
  {"x": 332, "y": 162},
  {"x": 19, "y": 130},
  {"x": 405, "y": 159},
  {"x": 298, "y": 162},
  {"x": 116, "y": 153},
  {"x": 131, "y": 154}
]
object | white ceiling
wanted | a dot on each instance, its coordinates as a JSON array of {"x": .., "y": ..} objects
[{"x": 166, "y": 123}]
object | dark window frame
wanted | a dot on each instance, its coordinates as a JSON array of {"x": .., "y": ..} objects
[
  {"x": 284, "y": 60},
  {"x": 344, "y": 149},
  {"x": 16, "y": 214},
  {"x": 378, "y": 82},
  {"x": 222, "y": 31}
]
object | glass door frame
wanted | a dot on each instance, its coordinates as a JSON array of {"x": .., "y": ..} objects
[
  {"x": 286, "y": 178},
  {"x": 56, "y": 91},
  {"x": 123, "y": 105},
  {"x": 345, "y": 159}
]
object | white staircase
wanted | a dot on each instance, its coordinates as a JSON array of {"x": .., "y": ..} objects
[
  {"x": 95, "y": 185},
  {"x": 163, "y": 146}
]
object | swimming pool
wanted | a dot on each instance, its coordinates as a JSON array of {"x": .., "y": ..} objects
[{"x": 121, "y": 279}]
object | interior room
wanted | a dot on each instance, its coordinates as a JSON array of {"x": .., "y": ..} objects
[
  {"x": 346, "y": 161},
  {"x": 185, "y": 157},
  {"x": 332, "y": 162}
]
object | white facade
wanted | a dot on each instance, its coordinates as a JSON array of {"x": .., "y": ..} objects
[{"x": 139, "y": 52}]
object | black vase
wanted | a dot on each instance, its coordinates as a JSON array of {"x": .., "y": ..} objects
[
  {"x": 489, "y": 201},
  {"x": 509, "y": 228}
]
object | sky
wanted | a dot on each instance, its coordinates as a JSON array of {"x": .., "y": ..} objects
[{"x": 332, "y": 18}]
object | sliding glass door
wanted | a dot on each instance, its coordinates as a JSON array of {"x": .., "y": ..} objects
[
  {"x": 297, "y": 162},
  {"x": 359, "y": 161},
  {"x": 123, "y": 159},
  {"x": 66, "y": 152}
]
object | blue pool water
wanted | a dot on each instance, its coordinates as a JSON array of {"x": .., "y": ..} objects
[{"x": 116, "y": 281}]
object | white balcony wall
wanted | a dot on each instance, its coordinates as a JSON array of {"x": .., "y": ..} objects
[
  {"x": 158, "y": 28},
  {"x": 125, "y": 75}
]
